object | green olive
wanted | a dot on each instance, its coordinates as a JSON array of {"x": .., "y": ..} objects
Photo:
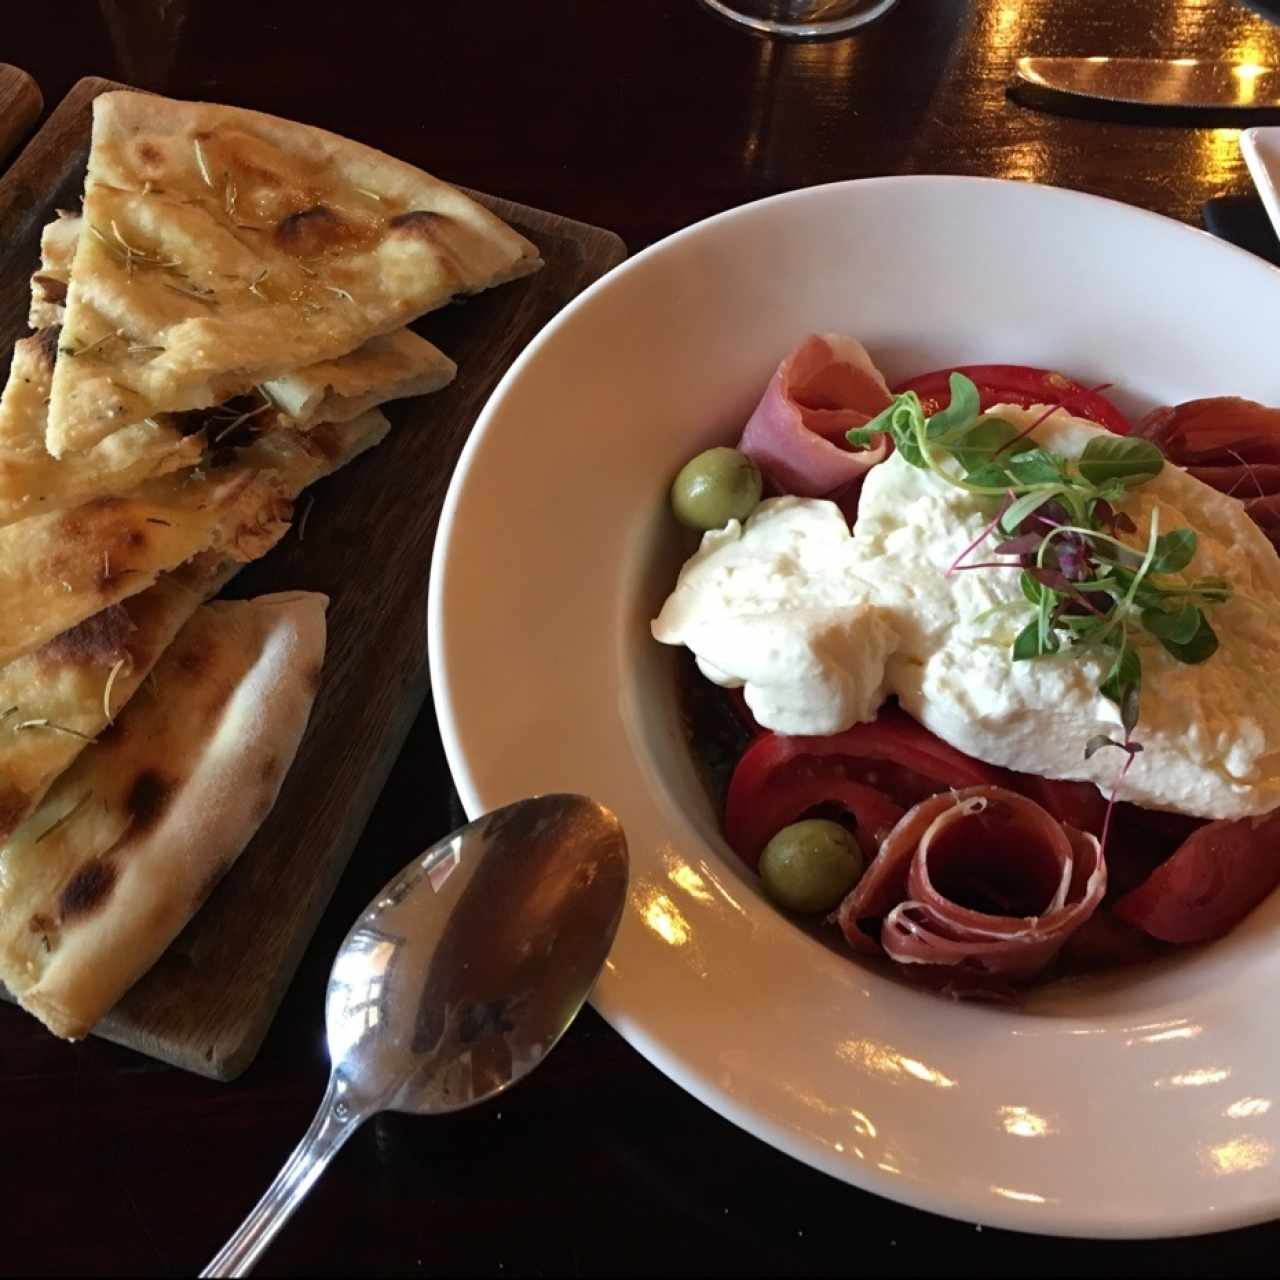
[
  {"x": 715, "y": 487},
  {"x": 810, "y": 866}
]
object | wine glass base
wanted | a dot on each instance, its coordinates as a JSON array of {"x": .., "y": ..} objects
[{"x": 799, "y": 30}]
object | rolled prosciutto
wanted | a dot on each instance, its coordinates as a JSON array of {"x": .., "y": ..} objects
[
  {"x": 982, "y": 879},
  {"x": 796, "y": 435},
  {"x": 1214, "y": 879}
]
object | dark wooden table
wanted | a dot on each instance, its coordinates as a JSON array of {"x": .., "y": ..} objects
[{"x": 639, "y": 116}]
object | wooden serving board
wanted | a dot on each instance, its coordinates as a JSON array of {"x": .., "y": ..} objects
[
  {"x": 207, "y": 1004},
  {"x": 20, "y": 105}
]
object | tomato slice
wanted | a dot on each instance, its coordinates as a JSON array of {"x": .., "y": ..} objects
[
  {"x": 1021, "y": 385},
  {"x": 872, "y": 772},
  {"x": 1078, "y": 804},
  {"x": 1218, "y": 875},
  {"x": 816, "y": 787}
]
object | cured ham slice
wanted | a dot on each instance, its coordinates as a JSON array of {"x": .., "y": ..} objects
[
  {"x": 983, "y": 879},
  {"x": 1265, "y": 513},
  {"x": 824, "y": 388},
  {"x": 1221, "y": 431},
  {"x": 1240, "y": 480},
  {"x": 1228, "y": 443},
  {"x": 1105, "y": 942},
  {"x": 1216, "y": 877}
]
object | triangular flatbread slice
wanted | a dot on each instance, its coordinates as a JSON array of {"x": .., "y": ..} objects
[
  {"x": 133, "y": 837},
  {"x": 59, "y": 569},
  {"x": 223, "y": 247},
  {"x": 56, "y": 701},
  {"x": 392, "y": 366},
  {"x": 33, "y": 483}
]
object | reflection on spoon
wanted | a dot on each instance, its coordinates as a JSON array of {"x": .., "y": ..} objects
[{"x": 457, "y": 980}]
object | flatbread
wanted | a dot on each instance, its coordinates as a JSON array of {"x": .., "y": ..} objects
[
  {"x": 392, "y": 366},
  {"x": 225, "y": 247},
  {"x": 31, "y": 482},
  {"x": 58, "y": 569},
  {"x": 49, "y": 284},
  {"x": 134, "y": 836},
  {"x": 56, "y": 701},
  {"x": 59, "y": 692}
]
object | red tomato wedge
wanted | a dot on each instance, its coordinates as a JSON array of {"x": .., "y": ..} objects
[
  {"x": 1021, "y": 385},
  {"x": 873, "y": 772},
  {"x": 1078, "y": 804},
  {"x": 1217, "y": 876}
]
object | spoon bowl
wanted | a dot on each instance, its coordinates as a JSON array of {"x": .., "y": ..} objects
[{"x": 457, "y": 980}]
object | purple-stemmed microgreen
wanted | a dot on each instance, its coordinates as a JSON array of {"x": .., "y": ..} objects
[
  {"x": 1057, "y": 518},
  {"x": 980, "y": 539},
  {"x": 1129, "y": 721},
  {"x": 1026, "y": 431}
]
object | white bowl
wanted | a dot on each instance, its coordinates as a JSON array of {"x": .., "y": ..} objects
[
  {"x": 1137, "y": 1104},
  {"x": 1261, "y": 150}
]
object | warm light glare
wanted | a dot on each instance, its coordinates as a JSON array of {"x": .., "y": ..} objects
[
  {"x": 1006, "y": 24},
  {"x": 1194, "y": 1079},
  {"x": 1243, "y": 1108},
  {"x": 1166, "y": 1032},
  {"x": 1220, "y": 155},
  {"x": 862, "y": 1123},
  {"x": 686, "y": 878},
  {"x": 700, "y": 883},
  {"x": 1240, "y": 1155},
  {"x": 1022, "y": 1122},
  {"x": 1247, "y": 73},
  {"x": 666, "y": 920},
  {"x": 886, "y": 1061},
  {"x": 1009, "y": 1193},
  {"x": 726, "y": 895},
  {"x": 914, "y": 1067}
]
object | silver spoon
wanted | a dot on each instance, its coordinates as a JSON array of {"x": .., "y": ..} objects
[{"x": 456, "y": 981}]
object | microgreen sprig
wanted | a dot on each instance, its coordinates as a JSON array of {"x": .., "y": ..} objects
[{"x": 1091, "y": 592}]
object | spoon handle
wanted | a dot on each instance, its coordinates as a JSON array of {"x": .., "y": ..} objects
[{"x": 334, "y": 1123}]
